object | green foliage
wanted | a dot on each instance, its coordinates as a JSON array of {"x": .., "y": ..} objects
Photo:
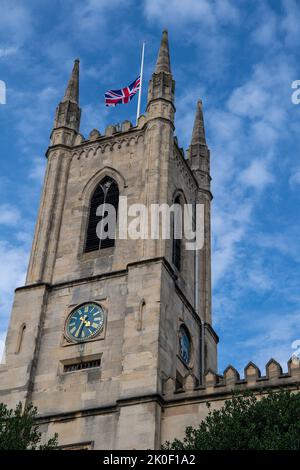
[
  {"x": 248, "y": 421},
  {"x": 18, "y": 430}
]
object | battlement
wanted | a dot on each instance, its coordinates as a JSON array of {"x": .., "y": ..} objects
[
  {"x": 111, "y": 132},
  {"x": 216, "y": 384}
]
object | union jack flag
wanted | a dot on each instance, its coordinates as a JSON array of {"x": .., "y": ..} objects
[{"x": 114, "y": 97}]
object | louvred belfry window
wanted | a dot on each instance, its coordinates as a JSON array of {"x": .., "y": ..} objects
[{"x": 107, "y": 192}]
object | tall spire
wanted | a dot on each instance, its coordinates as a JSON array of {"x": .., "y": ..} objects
[
  {"x": 198, "y": 135},
  {"x": 161, "y": 88},
  {"x": 163, "y": 59},
  {"x": 67, "y": 116},
  {"x": 198, "y": 152},
  {"x": 72, "y": 90}
]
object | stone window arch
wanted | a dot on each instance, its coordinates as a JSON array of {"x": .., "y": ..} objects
[
  {"x": 185, "y": 344},
  {"x": 106, "y": 192},
  {"x": 177, "y": 232},
  {"x": 20, "y": 337}
]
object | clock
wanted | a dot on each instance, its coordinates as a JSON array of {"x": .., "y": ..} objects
[
  {"x": 84, "y": 322},
  {"x": 184, "y": 345}
]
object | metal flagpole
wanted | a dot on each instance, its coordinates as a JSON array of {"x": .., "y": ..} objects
[{"x": 141, "y": 83}]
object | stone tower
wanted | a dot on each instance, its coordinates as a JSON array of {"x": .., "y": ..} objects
[{"x": 151, "y": 297}]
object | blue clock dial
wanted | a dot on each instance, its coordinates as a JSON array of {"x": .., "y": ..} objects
[{"x": 85, "y": 322}]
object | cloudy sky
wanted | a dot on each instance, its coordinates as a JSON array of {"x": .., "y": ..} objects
[{"x": 241, "y": 58}]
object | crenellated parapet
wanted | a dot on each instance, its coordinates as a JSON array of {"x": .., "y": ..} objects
[
  {"x": 113, "y": 139},
  {"x": 230, "y": 381},
  {"x": 114, "y": 136}
]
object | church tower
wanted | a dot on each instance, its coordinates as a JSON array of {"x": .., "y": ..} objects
[{"x": 101, "y": 326}]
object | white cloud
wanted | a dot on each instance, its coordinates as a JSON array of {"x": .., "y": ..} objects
[
  {"x": 2, "y": 347},
  {"x": 33, "y": 112},
  {"x": 266, "y": 32},
  {"x": 15, "y": 22},
  {"x": 290, "y": 22},
  {"x": 93, "y": 118},
  {"x": 9, "y": 215},
  {"x": 257, "y": 175},
  {"x": 185, "y": 115},
  {"x": 284, "y": 241},
  {"x": 7, "y": 51},
  {"x": 37, "y": 170},
  {"x": 198, "y": 22},
  {"x": 271, "y": 336},
  {"x": 91, "y": 16},
  {"x": 295, "y": 177},
  {"x": 15, "y": 258},
  {"x": 228, "y": 230},
  {"x": 100, "y": 71},
  {"x": 204, "y": 11},
  {"x": 265, "y": 35},
  {"x": 249, "y": 100},
  {"x": 244, "y": 142},
  {"x": 256, "y": 99},
  {"x": 258, "y": 279}
]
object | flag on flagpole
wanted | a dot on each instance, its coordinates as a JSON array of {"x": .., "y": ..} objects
[{"x": 124, "y": 95}]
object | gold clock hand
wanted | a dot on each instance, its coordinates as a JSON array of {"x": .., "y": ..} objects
[
  {"x": 80, "y": 326},
  {"x": 85, "y": 321},
  {"x": 78, "y": 330}
]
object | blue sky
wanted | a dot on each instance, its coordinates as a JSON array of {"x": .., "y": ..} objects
[{"x": 240, "y": 58}]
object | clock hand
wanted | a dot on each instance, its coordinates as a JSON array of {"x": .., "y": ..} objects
[
  {"x": 78, "y": 332},
  {"x": 85, "y": 321}
]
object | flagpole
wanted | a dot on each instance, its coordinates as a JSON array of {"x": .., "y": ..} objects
[{"x": 141, "y": 83}]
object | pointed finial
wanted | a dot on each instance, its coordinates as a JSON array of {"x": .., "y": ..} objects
[
  {"x": 72, "y": 90},
  {"x": 198, "y": 136},
  {"x": 163, "y": 59}
]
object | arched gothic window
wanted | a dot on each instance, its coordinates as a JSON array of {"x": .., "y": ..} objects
[
  {"x": 107, "y": 192},
  {"x": 185, "y": 344},
  {"x": 177, "y": 233},
  {"x": 20, "y": 337}
]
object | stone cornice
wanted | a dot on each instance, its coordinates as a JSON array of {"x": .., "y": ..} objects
[
  {"x": 124, "y": 272},
  {"x": 111, "y": 408},
  {"x": 153, "y": 100}
]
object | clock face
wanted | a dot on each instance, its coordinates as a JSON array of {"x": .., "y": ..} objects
[
  {"x": 184, "y": 345},
  {"x": 85, "y": 322}
]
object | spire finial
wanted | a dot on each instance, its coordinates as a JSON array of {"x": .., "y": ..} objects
[
  {"x": 72, "y": 90},
  {"x": 162, "y": 85},
  {"x": 68, "y": 112},
  {"x": 163, "y": 59},
  {"x": 198, "y": 136}
]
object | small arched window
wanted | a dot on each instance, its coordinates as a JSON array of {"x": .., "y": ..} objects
[
  {"x": 107, "y": 192},
  {"x": 20, "y": 337},
  {"x": 177, "y": 233},
  {"x": 185, "y": 344}
]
